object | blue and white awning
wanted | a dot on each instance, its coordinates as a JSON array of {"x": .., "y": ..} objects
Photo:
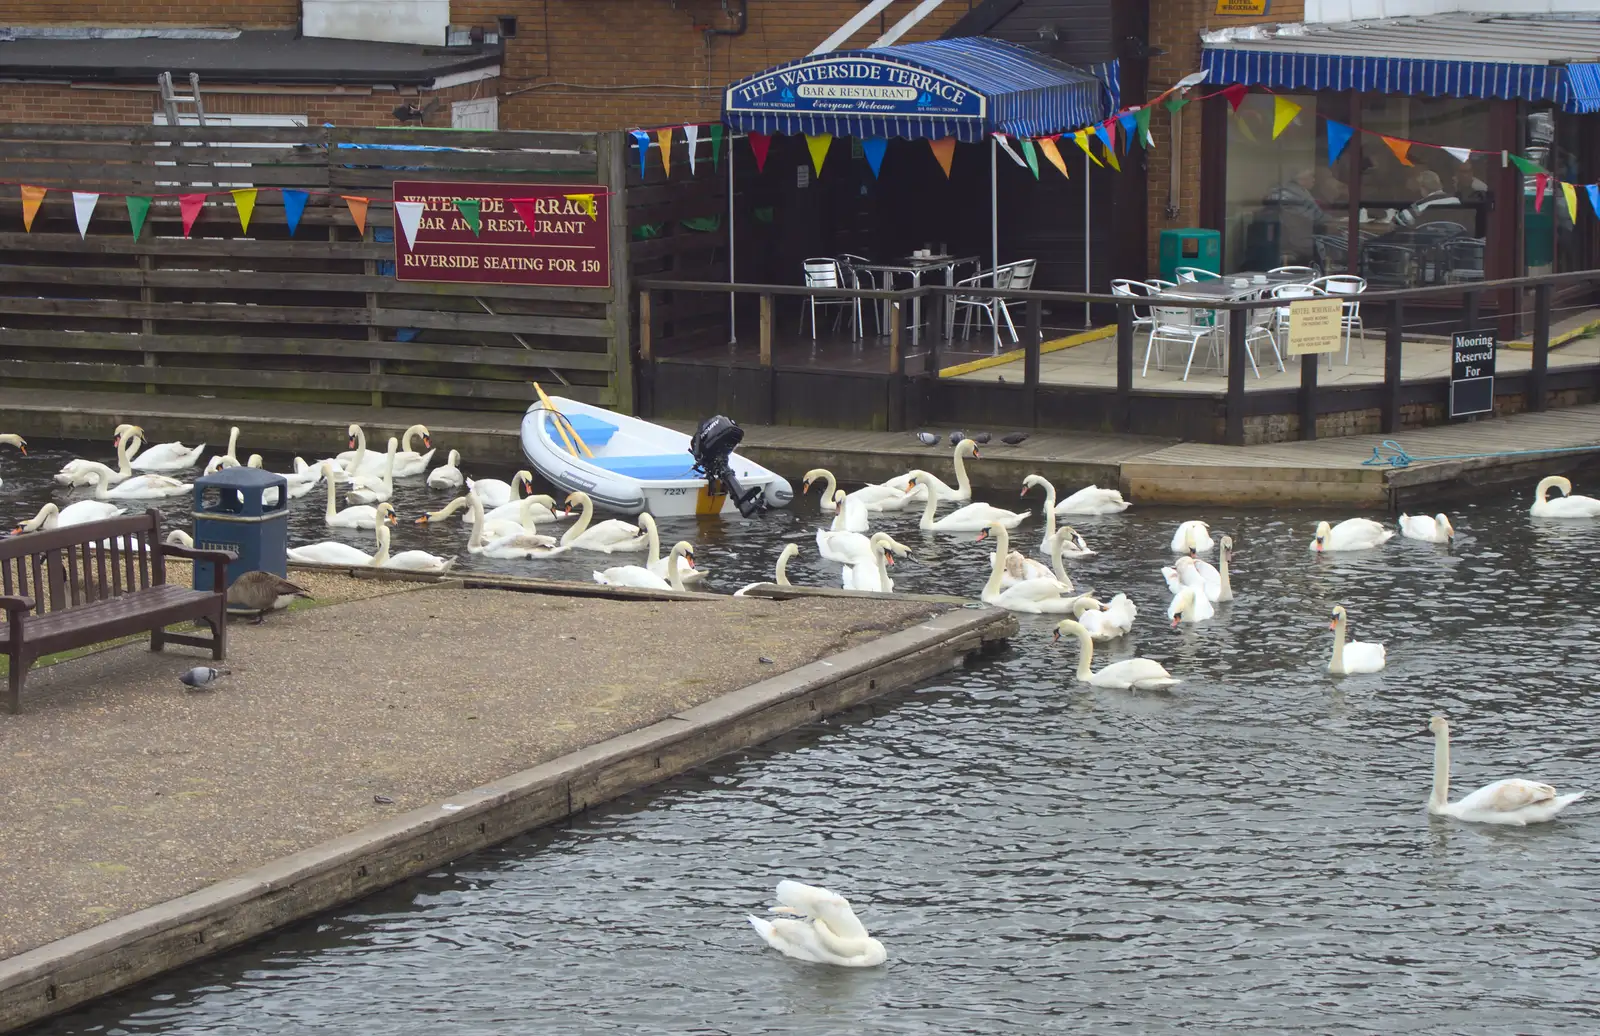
[{"x": 964, "y": 88}]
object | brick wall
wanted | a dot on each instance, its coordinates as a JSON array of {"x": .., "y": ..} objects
[
  {"x": 33, "y": 102},
  {"x": 243, "y": 14}
]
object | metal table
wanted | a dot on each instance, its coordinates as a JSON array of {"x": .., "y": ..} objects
[
  {"x": 1226, "y": 288},
  {"x": 915, "y": 268}
]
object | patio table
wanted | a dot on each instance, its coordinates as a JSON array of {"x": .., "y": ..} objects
[
  {"x": 1226, "y": 288},
  {"x": 915, "y": 267}
]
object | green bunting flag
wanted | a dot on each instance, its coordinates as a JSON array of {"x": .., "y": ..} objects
[
  {"x": 1528, "y": 166},
  {"x": 138, "y": 209},
  {"x": 1141, "y": 120},
  {"x": 469, "y": 208},
  {"x": 716, "y": 144},
  {"x": 1031, "y": 155},
  {"x": 1173, "y": 103}
]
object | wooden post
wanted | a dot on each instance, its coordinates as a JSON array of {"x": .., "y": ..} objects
[
  {"x": 1541, "y": 346},
  {"x": 766, "y": 330},
  {"x": 1124, "y": 416},
  {"x": 1393, "y": 343},
  {"x": 897, "y": 382},
  {"x": 1469, "y": 311},
  {"x": 645, "y": 336},
  {"x": 1308, "y": 394},
  {"x": 1030, "y": 363},
  {"x": 374, "y": 332},
  {"x": 147, "y": 327},
  {"x": 1353, "y": 158},
  {"x": 611, "y": 165},
  {"x": 937, "y": 305},
  {"x": 896, "y": 361},
  {"x": 1237, "y": 361}
]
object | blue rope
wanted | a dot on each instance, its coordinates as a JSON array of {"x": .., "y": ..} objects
[{"x": 1397, "y": 457}]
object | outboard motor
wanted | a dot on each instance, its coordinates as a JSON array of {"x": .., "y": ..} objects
[{"x": 711, "y": 446}]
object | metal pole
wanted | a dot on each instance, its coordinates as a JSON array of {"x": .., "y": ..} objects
[
  {"x": 1088, "y": 280},
  {"x": 733, "y": 313},
  {"x": 994, "y": 225}
]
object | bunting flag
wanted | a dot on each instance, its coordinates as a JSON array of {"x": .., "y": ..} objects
[
  {"x": 190, "y": 205},
  {"x": 244, "y": 199},
  {"x": 527, "y": 211},
  {"x": 1082, "y": 137},
  {"x": 32, "y": 198},
  {"x": 1541, "y": 181},
  {"x": 1141, "y": 121},
  {"x": 1235, "y": 94},
  {"x": 409, "y": 215},
  {"x": 1105, "y": 137},
  {"x": 1053, "y": 154},
  {"x": 759, "y": 144},
  {"x": 1033, "y": 156},
  {"x": 1174, "y": 103},
  {"x": 1460, "y": 154},
  {"x": 1338, "y": 138},
  {"x": 874, "y": 148},
  {"x": 471, "y": 210},
  {"x": 664, "y": 138},
  {"x": 818, "y": 144},
  {"x": 1000, "y": 138},
  {"x": 1571, "y": 194},
  {"x": 83, "y": 203},
  {"x": 1399, "y": 147},
  {"x": 691, "y": 133},
  {"x": 1284, "y": 111},
  {"x": 944, "y": 149},
  {"x": 716, "y": 145},
  {"x": 586, "y": 202},
  {"x": 138, "y": 209},
  {"x": 1130, "y": 130},
  {"x": 1594, "y": 198},
  {"x": 358, "y": 210},
  {"x": 1527, "y": 166},
  {"x": 294, "y": 204},
  {"x": 1111, "y": 159},
  {"x": 642, "y": 138}
]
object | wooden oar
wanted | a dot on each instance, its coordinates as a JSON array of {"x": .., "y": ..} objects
[{"x": 563, "y": 425}]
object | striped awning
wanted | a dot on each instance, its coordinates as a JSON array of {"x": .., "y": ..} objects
[{"x": 964, "y": 88}]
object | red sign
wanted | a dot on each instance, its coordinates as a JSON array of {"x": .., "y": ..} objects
[{"x": 554, "y": 235}]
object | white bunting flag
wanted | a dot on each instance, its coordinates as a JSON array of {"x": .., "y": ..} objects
[
  {"x": 1000, "y": 138},
  {"x": 693, "y": 134},
  {"x": 83, "y": 204},
  {"x": 1460, "y": 154},
  {"x": 409, "y": 215}
]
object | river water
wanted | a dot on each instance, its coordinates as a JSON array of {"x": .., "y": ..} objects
[{"x": 1246, "y": 854}]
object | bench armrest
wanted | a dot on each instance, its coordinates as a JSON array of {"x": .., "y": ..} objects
[
  {"x": 220, "y": 558},
  {"x": 13, "y": 605}
]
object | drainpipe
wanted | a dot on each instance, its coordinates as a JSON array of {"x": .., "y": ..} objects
[{"x": 744, "y": 22}]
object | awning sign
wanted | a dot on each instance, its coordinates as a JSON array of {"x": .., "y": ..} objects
[
  {"x": 1243, "y": 6},
  {"x": 855, "y": 86}
]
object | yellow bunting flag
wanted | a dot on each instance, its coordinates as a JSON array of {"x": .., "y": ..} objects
[
  {"x": 1400, "y": 149},
  {"x": 244, "y": 199},
  {"x": 664, "y": 138},
  {"x": 358, "y": 210},
  {"x": 587, "y": 202},
  {"x": 1048, "y": 146},
  {"x": 1082, "y": 137},
  {"x": 1111, "y": 158},
  {"x": 818, "y": 145},
  {"x": 944, "y": 149},
  {"x": 1571, "y": 193},
  {"x": 1283, "y": 113},
  {"x": 32, "y": 198}
]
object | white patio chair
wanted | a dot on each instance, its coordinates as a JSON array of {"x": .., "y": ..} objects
[
  {"x": 1347, "y": 284},
  {"x": 1259, "y": 326},
  {"x": 826, "y": 273},
  {"x": 1181, "y": 324},
  {"x": 1021, "y": 279},
  {"x": 1143, "y": 319},
  {"x": 1191, "y": 274},
  {"x": 857, "y": 277},
  {"x": 1280, "y": 315},
  {"x": 991, "y": 306},
  {"x": 1310, "y": 273}
]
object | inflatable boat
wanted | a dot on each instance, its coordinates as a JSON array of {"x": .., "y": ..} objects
[{"x": 629, "y": 465}]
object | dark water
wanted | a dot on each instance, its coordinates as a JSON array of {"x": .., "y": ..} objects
[{"x": 1248, "y": 854}]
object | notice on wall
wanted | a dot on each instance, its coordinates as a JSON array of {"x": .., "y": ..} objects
[
  {"x": 1315, "y": 326},
  {"x": 1243, "y": 6},
  {"x": 1472, "y": 355},
  {"x": 550, "y": 235}
]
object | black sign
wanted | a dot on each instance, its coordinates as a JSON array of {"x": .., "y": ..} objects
[{"x": 1472, "y": 373}]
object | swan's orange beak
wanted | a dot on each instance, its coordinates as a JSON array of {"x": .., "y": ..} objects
[
  {"x": 427, "y": 441},
  {"x": 423, "y": 520},
  {"x": 1333, "y": 624},
  {"x": 690, "y": 559},
  {"x": 1177, "y": 619},
  {"x": 1057, "y": 638},
  {"x": 350, "y": 443},
  {"x": 1319, "y": 543},
  {"x": 983, "y": 534},
  {"x": 888, "y": 559},
  {"x": 17, "y": 531},
  {"x": 975, "y": 454}
]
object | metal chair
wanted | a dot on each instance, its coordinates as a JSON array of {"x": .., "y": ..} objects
[
  {"x": 1143, "y": 319},
  {"x": 1181, "y": 324},
  {"x": 1258, "y": 326},
  {"x": 1346, "y": 284},
  {"x": 1191, "y": 274},
  {"x": 1464, "y": 260},
  {"x": 857, "y": 277},
  {"x": 992, "y": 306},
  {"x": 1021, "y": 279},
  {"x": 826, "y": 273},
  {"x": 1310, "y": 273}
]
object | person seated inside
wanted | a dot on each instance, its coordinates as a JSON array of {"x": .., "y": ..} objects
[
  {"x": 1430, "y": 192},
  {"x": 1299, "y": 216}
]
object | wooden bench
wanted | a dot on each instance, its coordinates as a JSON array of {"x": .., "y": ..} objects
[{"x": 84, "y": 584}]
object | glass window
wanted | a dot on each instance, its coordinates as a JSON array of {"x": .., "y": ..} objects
[{"x": 1281, "y": 196}]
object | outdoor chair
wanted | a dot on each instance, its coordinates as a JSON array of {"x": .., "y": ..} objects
[
  {"x": 1143, "y": 319},
  {"x": 1310, "y": 273},
  {"x": 1258, "y": 325},
  {"x": 1021, "y": 279},
  {"x": 1191, "y": 274},
  {"x": 1181, "y": 324},
  {"x": 826, "y": 273},
  {"x": 857, "y": 277},
  {"x": 1464, "y": 260},
  {"x": 1388, "y": 265},
  {"x": 992, "y": 306},
  {"x": 1345, "y": 284}
]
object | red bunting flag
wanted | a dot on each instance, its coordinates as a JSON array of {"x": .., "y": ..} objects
[
  {"x": 527, "y": 210},
  {"x": 1235, "y": 94},
  {"x": 190, "y": 205},
  {"x": 759, "y": 143},
  {"x": 1541, "y": 181}
]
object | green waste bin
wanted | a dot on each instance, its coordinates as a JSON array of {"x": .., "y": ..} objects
[{"x": 1190, "y": 246}]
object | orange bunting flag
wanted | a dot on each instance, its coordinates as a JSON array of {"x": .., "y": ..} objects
[
  {"x": 1051, "y": 152},
  {"x": 358, "y": 210},
  {"x": 244, "y": 199},
  {"x": 1400, "y": 149},
  {"x": 32, "y": 198},
  {"x": 664, "y": 138},
  {"x": 944, "y": 149}
]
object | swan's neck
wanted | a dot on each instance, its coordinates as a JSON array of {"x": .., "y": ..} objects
[
  {"x": 361, "y": 450},
  {"x": 586, "y": 511},
  {"x": 1085, "y": 655},
  {"x": 673, "y": 579},
  {"x": 333, "y": 499},
  {"x": 100, "y": 491},
  {"x": 1441, "y": 772},
  {"x": 233, "y": 444},
  {"x": 1050, "y": 512},
  {"x": 881, "y": 551},
  {"x": 833, "y": 484},
  {"x": 1002, "y": 547},
  {"x": 1337, "y": 664},
  {"x": 1222, "y": 570},
  {"x": 838, "y": 512},
  {"x": 1056, "y": 566},
  {"x": 932, "y": 506},
  {"x": 649, "y": 523},
  {"x": 382, "y": 556},
  {"x": 962, "y": 484},
  {"x": 783, "y": 569},
  {"x": 475, "y": 541},
  {"x": 406, "y": 437},
  {"x": 123, "y": 469},
  {"x": 448, "y": 509}
]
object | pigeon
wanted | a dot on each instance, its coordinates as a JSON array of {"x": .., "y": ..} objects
[
  {"x": 1014, "y": 439},
  {"x": 927, "y": 438},
  {"x": 956, "y": 437},
  {"x": 382, "y": 800},
  {"x": 202, "y": 677},
  {"x": 981, "y": 438}
]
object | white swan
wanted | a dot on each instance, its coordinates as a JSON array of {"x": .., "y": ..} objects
[
  {"x": 1189, "y": 605},
  {"x": 1350, "y": 534},
  {"x": 874, "y": 578},
  {"x": 72, "y": 472},
  {"x": 1564, "y": 506},
  {"x": 1137, "y": 674},
  {"x": 821, "y": 928},
  {"x": 448, "y": 474},
  {"x": 963, "y": 488},
  {"x": 847, "y": 548},
  {"x": 608, "y": 537},
  {"x": 140, "y": 487},
  {"x": 168, "y": 456},
  {"x": 52, "y": 517},
  {"x": 638, "y": 575},
  {"x": 1093, "y": 500},
  {"x": 873, "y": 498},
  {"x": 332, "y": 552},
  {"x": 655, "y": 562},
  {"x": 493, "y": 526},
  {"x": 409, "y": 462},
  {"x": 1019, "y": 567},
  {"x": 300, "y": 483},
  {"x": 360, "y": 516},
  {"x": 971, "y": 518},
  {"x": 230, "y": 459},
  {"x": 1106, "y": 621},
  {"x": 358, "y": 460},
  {"x": 1514, "y": 801},
  {"x": 409, "y": 560},
  {"x": 495, "y": 492},
  {"x": 848, "y": 515},
  {"x": 1205, "y": 578},
  {"x": 375, "y": 489},
  {"x": 1352, "y": 656},
  {"x": 781, "y": 576},
  {"x": 1192, "y": 536},
  {"x": 1034, "y": 596},
  {"x": 509, "y": 541},
  {"x": 179, "y": 538},
  {"x": 1430, "y": 530}
]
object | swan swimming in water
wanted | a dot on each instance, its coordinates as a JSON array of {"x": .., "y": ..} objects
[
  {"x": 820, "y": 928},
  {"x": 1350, "y": 534},
  {"x": 1105, "y": 621},
  {"x": 1192, "y": 536},
  {"x": 1138, "y": 674},
  {"x": 448, "y": 474},
  {"x": 1429, "y": 530},
  {"x": 971, "y": 518},
  {"x": 639, "y": 576},
  {"x": 874, "y": 579},
  {"x": 963, "y": 489},
  {"x": 1189, "y": 605},
  {"x": 873, "y": 498},
  {"x": 1352, "y": 656},
  {"x": 780, "y": 577},
  {"x": 167, "y": 456},
  {"x": 1513, "y": 801},
  {"x": 608, "y": 536},
  {"x": 1564, "y": 506},
  {"x": 1032, "y": 596}
]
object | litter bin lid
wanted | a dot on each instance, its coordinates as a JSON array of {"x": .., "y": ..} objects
[{"x": 240, "y": 478}]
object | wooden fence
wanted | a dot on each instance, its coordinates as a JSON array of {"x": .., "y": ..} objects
[{"x": 313, "y": 317}]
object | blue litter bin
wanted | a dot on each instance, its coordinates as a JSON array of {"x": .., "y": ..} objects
[{"x": 235, "y": 509}]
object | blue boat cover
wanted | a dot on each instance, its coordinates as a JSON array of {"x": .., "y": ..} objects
[
  {"x": 964, "y": 88},
  {"x": 592, "y": 430},
  {"x": 651, "y": 466}
]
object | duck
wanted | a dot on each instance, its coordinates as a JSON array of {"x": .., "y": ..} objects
[
  {"x": 654, "y": 561},
  {"x": 1019, "y": 567},
  {"x": 409, "y": 560},
  {"x": 332, "y": 552},
  {"x": 781, "y": 574},
  {"x": 1514, "y": 801},
  {"x": 873, "y": 498},
  {"x": 1189, "y": 605},
  {"x": 140, "y": 487},
  {"x": 72, "y": 473},
  {"x": 1564, "y": 506},
  {"x": 1352, "y": 656},
  {"x": 52, "y": 517},
  {"x": 1429, "y": 530},
  {"x": 375, "y": 489},
  {"x": 1192, "y": 536},
  {"x": 608, "y": 537},
  {"x": 359, "y": 516},
  {"x": 1093, "y": 500},
  {"x": 963, "y": 488},
  {"x": 1074, "y": 546},
  {"x": 167, "y": 456},
  {"x": 848, "y": 515},
  {"x": 448, "y": 474},
  {"x": 639, "y": 576},
  {"x": 1130, "y": 674},
  {"x": 508, "y": 541},
  {"x": 1105, "y": 621},
  {"x": 1033, "y": 596},
  {"x": 820, "y": 928},
  {"x": 874, "y": 578},
  {"x": 971, "y": 518},
  {"x": 1350, "y": 534},
  {"x": 262, "y": 592},
  {"x": 230, "y": 459},
  {"x": 496, "y": 493}
]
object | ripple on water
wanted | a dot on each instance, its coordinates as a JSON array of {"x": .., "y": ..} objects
[{"x": 1246, "y": 854}]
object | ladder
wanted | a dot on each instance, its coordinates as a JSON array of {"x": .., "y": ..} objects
[{"x": 171, "y": 100}]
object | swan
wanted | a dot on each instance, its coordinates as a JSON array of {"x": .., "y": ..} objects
[
  {"x": 494, "y": 493},
  {"x": 1105, "y": 621},
  {"x": 1074, "y": 546},
  {"x": 322, "y": 469},
  {"x": 448, "y": 474},
  {"x": 1189, "y": 605},
  {"x": 608, "y": 537},
  {"x": 409, "y": 462},
  {"x": 332, "y": 552},
  {"x": 230, "y": 459},
  {"x": 1192, "y": 536},
  {"x": 655, "y": 562},
  {"x": 1564, "y": 506},
  {"x": 1019, "y": 567},
  {"x": 179, "y": 538},
  {"x": 1201, "y": 575},
  {"x": 372, "y": 489},
  {"x": 847, "y": 548},
  {"x": 300, "y": 483},
  {"x": 71, "y": 473},
  {"x": 971, "y": 518},
  {"x": 1350, "y": 534},
  {"x": 140, "y": 487},
  {"x": 821, "y": 928},
  {"x": 1034, "y": 596},
  {"x": 963, "y": 490},
  {"x": 873, "y": 498},
  {"x": 1352, "y": 656},
  {"x": 516, "y": 542},
  {"x": 848, "y": 515},
  {"x": 358, "y": 460},
  {"x": 1515, "y": 801},
  {"x": 409, "y": 560},
  {"x": 1093, "y": 500},
  {"x": 638, "y": 575},
  {"x": 360, "y": 516},
  {"x": 1430, "y": 530},
  {"x": 167, "y": 456},
  {"x": 874, "y": 578},
  {"x": 502, "y": 521},
  {"x": 1136, "y": 674},
  {"x": 52, "y": 517},
  {"x": 781, "y": 578}
]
